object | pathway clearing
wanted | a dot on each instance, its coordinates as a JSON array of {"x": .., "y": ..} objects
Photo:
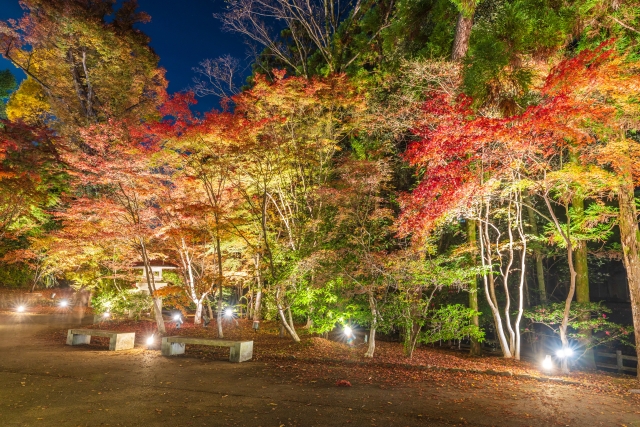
[{"x": 45, "y": 384}]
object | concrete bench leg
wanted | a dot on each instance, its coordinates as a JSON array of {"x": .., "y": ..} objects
[
  {"x": 172, "y": 348},
  {"x": 241, "y": 352},
  {"x": 122, "y": 342},
  {"x": 75, "y": 339}
]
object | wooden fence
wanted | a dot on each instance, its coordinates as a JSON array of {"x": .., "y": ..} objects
[{"x": 620, "y": 358}]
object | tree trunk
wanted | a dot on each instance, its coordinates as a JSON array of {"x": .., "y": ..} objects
[
  {"x": 572, "y": 279},
  {"x": 630, "y": 239},
  {"x": 258, "y": 294},
  {"x": 157, "y": 306},
  {"x": 461, "y": 40},
  {"x": 489, "y": 284},
  {"x": 472, "y": 238},
  {"x": 219, "y": 313},
  {"x": 209, "y": 308},
  {"x": 289, "y": 327},
  {"x": 198, "y": 317},
  {"x": 372, "y": 329},
  {"x": 582, "y": 284},
  {"x": 542, "y": 288}
]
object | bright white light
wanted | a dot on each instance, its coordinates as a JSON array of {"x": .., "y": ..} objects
[
  {"x": 105, "y": 314},
  {"x": 561, "y": 353},
  {"x": 150, "y": 340},
  {"x": 547, "y": 364},
  {"x": 347, "y": 331},
  {"x": 20, "y": 308},
  {"x": 568, "y": 352},
  {"x": 63, "y": 303},
  {"x": 228, "y": 312},
  {"x": 176, "y": 317}
]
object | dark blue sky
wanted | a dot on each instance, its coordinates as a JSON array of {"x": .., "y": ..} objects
[{"x": 183, "y": 32}]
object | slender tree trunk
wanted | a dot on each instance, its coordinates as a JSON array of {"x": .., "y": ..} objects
[
  {"x": 582, "y": 283},
  {"x": 258, "y": 293},
  {"x": 472, "y": 238},
  {"x": 461, "y": 40},
  {"x": 198, "y": 317},
  {"x": 157, "y": 306},
  {"x": 209, "y": 308},
  {"x": 489, "y": 283},
  {"x": 372, "y": 329},
  {"x": 630, "y": 239},
  {"x": 572, "y": 280},
  {"x": 542, "y": 287},
  {"x": 288, "y": 325},
  {"x": 523, "y": 272},
  {"x": 219, "y": 313}
]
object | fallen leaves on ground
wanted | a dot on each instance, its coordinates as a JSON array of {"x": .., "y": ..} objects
[{"x": 332, "y": 360}]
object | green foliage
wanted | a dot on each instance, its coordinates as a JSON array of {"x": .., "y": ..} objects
[
  {"x": 7, "y": 85},
  {"x": 582, "y": 317},
  {"x": 451, "y": 322},
  {"x": 595, "y": 224},
  {"x": 121, "y": 302},
  {"x": 420, "y": 29},
  {"x": 497, "y": 71}
]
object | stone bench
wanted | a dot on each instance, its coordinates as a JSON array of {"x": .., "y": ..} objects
[
  {"x": 117, "y": 340},
  {"x": 240, "y": 351}
]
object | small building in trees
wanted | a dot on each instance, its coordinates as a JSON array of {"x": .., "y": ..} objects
[{"x": 157, "y": 267}]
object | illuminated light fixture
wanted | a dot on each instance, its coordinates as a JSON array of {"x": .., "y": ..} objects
[
  {"x": 566, "y": 352},
  {"x": 20, "y": 309},
  {"x": 106, "y": 314},
  {"x": 64, "y": 303},
  {"x": 348, "y": 331},
  {"x": 547, "y": 364},
  {"x": 176, "y": 317},
  {"x": 150, "y": 340},
  {"x": 228, "y": 312}
]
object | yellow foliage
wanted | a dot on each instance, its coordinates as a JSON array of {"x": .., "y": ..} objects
[{"x": 28, "y": 103}]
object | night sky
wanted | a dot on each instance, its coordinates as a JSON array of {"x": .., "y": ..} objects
[{"x": 182, "y": 33}]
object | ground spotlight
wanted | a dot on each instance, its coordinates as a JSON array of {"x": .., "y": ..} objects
[
  {"x": 64, "y": 303},
  {"x": 348, "y": 331},
  {"x": 20, "y": 309},
  {"x": 150, "y": 340},
  {"x": 176, "y": 317},
  {"x": 547, "y": 364},
  {"x": 564, "y": 352},
  {"x": 228, "y": 312},
  {"x": 106, "y": 314}
]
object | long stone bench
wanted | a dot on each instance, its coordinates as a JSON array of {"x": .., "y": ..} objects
[
  {"x": 117, "y": 340},
  {"x": 240, "y": 351}
]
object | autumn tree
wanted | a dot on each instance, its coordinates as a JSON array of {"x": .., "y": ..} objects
[
  {"x": 204, "y": 157},
  {"x": 116, "y": 192},
  {"x": 88, "y": 60},
  {"x": 303, "y": 124}
]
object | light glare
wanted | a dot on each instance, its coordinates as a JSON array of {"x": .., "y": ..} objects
[
  {"x": 228, "y": 312},
  {"x": 105, "y": 315},
  {"x": 547, "y": 364},
  {"x": 20, "y": 309},
  {"x": 176, "y": 317},
  {"x": 347, "y": 331},
  {"x": 63, "y": 303},
  {"x": 150, "y": 340}
]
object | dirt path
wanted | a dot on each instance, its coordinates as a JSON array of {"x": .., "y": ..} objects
[{"x": 44, "y": 384}]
